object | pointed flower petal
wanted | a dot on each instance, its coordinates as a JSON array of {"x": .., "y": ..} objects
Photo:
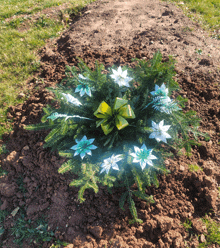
[
  {"x": 72, "y": 99},
  {"x": 93, "y": 147},
  {"x": 82, "y": 77}
]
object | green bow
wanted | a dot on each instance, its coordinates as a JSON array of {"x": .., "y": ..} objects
[{"x": 115, "y": 116}]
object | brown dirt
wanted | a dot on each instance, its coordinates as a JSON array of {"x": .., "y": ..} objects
[{"x": 114, "y": 32}]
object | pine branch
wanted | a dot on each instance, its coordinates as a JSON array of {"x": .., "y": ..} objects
[
  {"x": 143, "y": 196},
  {"x": 65, "y": 167},
  {"x": 133, "y": 211},
  {"x": 138, "y": 179},
  {"x": 108, "y": 180},
  {"x": 66, "y": 154},
  {"x": 123, "y": 199},
  {"x": 86, "y": 180},
  {"x": 39, "y": 126}
]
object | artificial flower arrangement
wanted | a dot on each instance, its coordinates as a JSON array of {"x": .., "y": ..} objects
[{"x": 116, "y": 128}]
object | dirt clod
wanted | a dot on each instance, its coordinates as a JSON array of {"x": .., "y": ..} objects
[
  {"x": 198, "y": 226},
  {"x": 96, "y": 231}
]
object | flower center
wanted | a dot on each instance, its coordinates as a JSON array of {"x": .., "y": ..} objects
[
  {"x": 161, "y": 92},
  {"x": 84, "y": 144},
  {"x": 143, "y": 154},
  {"x": 159, "y": 131},
  {"x": 120, "y": 78}
]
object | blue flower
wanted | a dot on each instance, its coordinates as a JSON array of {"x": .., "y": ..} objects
[
  {"x": 120, "y": 77},
  {"x": 83, "y": 88},
  {"x": 72, "y": 99},
  {"x": 143, "y": 156},
  {"x": 110, "y": 162},
  {"x": 160, "y": 91},
  {"x": 83, "y": 146},
  {"x": 160, "y": 132}
]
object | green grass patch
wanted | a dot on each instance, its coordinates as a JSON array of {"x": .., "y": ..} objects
[
  {"x": 206, "y": 12},
  {"x": 187, "y": 224},
  {"x": 59, "y": 244},
  {"x": 3, "y": 150},
  {"x": 20, "y": 183},
  {"x": 36, "y": 233},
  {"x": 2, "y": 172},
  {"x": 21, "y": 37},
  {"x": 213, "y": 235},
  {"x": 33, "y": 232},
  {"x": 213, "y": 231},
  {"x": 3, "y": 215},
  {"x": 10, "y": 8},
  {"x": 194, "y": 167}
]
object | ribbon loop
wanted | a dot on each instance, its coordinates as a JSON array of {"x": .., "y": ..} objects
[
  {"x": 121, "y": 111},
  {"x": 103, "y": 111}
]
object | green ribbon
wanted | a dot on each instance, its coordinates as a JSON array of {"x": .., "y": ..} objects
[{"x": 114, "y": 117}]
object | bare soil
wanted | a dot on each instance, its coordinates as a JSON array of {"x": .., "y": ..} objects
[{"x": 114, "y": 32}]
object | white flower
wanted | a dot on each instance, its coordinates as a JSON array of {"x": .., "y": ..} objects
[
  {"x": 110, "y": 162},
  {"x": 120, "y": 77},
  {"x": 82, "y": 77},
  {"x": 161, "y": 91},
  {"x": 72, "y": 99},
  {"x": 160, "y": 132},
  {"x": 143, "y": 156}
]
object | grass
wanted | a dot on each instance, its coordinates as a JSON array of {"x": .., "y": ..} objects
[
  {"x": 3, "y": 149},
  {"x": 3, "y": 214},
  {"x": 20, "y": 183},
  {"x": 213, "y": 235},
  {"x": 187, "y": 224},
  {"x": 213, "y": 231},
  {"x": 11, "y": 8},
  {"x": 59, "y": 244},
  {"x": 194, "y": 167},
  {"x": 34, "y": 232},
  {"x": 206, "y": 12},
  {"x": 23, "y": 31}
]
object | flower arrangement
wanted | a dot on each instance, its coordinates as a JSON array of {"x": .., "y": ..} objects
[{"x": 116, "y": 128}]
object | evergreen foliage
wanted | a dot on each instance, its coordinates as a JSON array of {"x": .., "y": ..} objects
[{"x": 100, "y": 112}]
